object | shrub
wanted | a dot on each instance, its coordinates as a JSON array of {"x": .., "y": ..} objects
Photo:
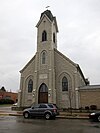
[
  {"x": 93, "y": 107},
  {"x": 81, "y": 108},
  {"x": 87, "y": 107},
  {"x": 6, "y": 101}
]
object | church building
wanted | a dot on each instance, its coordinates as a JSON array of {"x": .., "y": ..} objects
[{"x": 50, "y": 76}]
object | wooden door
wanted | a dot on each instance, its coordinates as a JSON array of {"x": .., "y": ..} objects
[
  {"x": 43, "y": 97},
  {"x": 43, "y": 94}
]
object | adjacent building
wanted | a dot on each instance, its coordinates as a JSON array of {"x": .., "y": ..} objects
[
  {"x": 9, "y": 95},
  {"x": 89, "y": 95}
]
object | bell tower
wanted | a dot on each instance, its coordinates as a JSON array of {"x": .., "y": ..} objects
[
  {"x": 45, "y": 69},
  {"x": 47, "y": 31}
]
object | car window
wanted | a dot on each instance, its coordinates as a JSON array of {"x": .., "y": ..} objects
[
  {"x": 36, "y": 106},
  {"x": 42, "y": 106},
  {"x": 50, "y": 105}
]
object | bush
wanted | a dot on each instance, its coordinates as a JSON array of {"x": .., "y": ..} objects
[
  {"x": 93, "y": 107},
  {"x": 81, "y": 108},
  {"x": 87, "y": 107},
  {"x": 6, "y": 101}
]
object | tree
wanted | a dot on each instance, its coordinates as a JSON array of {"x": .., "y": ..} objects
[{"x": 3, "y": 88}]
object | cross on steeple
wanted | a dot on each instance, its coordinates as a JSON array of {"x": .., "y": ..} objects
[{"x": 47, "y": 7}]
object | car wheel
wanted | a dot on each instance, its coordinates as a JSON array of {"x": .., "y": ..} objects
[
  {"x": 47, "y": 116},
  {"x": 99, "y": 118},
  {"x": 26, "y": 115}
]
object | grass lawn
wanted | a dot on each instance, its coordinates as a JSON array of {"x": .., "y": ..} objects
[{"x": 5, "y": 105}]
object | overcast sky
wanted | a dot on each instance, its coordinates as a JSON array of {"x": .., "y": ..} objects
[{"x": 78, "y": 37}]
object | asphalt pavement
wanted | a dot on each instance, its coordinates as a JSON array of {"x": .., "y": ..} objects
[{"x": 17, "y": 124}]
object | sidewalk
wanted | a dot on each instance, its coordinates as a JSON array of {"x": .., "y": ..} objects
[
  {"x": 63, "y": 115},
  {"x": 13, "y": 113}
]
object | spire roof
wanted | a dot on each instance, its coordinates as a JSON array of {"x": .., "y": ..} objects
[{"x": 48, "y": 14}]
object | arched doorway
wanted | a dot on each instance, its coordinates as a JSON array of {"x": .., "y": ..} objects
[{"x": 43, "y": 94}]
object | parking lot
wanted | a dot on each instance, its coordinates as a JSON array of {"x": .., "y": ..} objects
[{"x": 17, "y": 124}]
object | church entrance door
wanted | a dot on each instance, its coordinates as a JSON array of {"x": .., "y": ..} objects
[{"x": 43, "y": 94}]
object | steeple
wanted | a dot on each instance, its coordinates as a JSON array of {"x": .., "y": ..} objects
[
  {"x": 45, "y": 58},
  {"x": 48, "y": 13},
  {"x": 50, "y": 16},
  {"x": 47, "y": 31}
]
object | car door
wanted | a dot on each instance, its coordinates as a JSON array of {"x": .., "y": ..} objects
[
  {"x": 42, "y": 109},
  {"x": 35, "y": 110}
]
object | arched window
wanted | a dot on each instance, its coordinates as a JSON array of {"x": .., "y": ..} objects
[
  {"x": 43, "y": 57},
  {"x": 30, "y": 85},
  {"x": 64, "y": 84},
  {"x": 54, "y": 37},
  {"x": 44, "y": 36}
]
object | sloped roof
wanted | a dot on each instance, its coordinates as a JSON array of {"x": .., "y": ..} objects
[
  {"x": 90, "y": 87},
  {"x": 74, "y": 64},
  {"x": 50, "y": 17},
  {"x": 65, "y": 57},
  {"x": 48, "y": 14},
  {"x": 27, "y": 64}
]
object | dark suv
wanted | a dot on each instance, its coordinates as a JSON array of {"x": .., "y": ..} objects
[{"x": 45, "y": 110}]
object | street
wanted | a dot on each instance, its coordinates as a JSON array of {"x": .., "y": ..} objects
[{"x": 17, "y": 124}]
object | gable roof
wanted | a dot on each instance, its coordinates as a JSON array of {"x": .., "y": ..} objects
[
  {"x": 27, "y": 64},
  {"x": 50, "y": 18},
  {"x": 48, "y": 14},
  {"x": 66, "y": 58},
  {"x": 74, "y": 64},
  {"x": 79, "y": 69}
]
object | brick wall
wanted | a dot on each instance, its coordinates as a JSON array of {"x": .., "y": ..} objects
[
  {"x": 90, "y": 97},
  {"x": 9, "y": 95}
]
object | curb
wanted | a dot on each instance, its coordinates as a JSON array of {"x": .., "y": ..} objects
[{"x": 72, "y": 117}]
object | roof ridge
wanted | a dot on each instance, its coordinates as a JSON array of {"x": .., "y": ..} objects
[
  {"x": 28, "y": 63},
  {"x": 65, "y": 57}
]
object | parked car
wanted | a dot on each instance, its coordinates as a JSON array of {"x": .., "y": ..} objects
[
  {"x": 95, "y": 116},
  {"x": 15, "y": 104},
  {"x": 45, "y": 110}
]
